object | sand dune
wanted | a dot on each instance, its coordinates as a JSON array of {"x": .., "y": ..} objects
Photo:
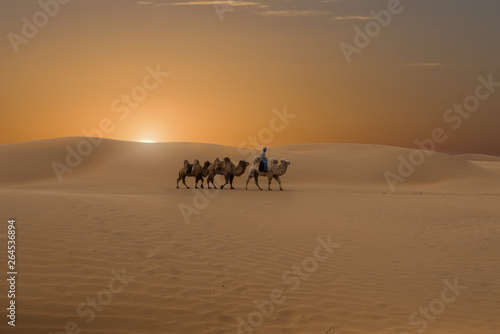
[
  {"x": 478, "y": 157},
  {"x": 120, "y": 210},
  {"x": 322, "y": 164}
]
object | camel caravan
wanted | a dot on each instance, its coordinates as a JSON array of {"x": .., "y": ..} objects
[{"x": 272, "y": 168}]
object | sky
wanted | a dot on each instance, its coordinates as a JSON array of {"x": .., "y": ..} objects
[{"x": 344, "y": 71}]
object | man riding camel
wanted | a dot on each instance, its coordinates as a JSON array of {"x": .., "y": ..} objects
[{"x": 263, "y": 158}]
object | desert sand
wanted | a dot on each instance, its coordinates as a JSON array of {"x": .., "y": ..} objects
[{"x": 423, "y": 258}]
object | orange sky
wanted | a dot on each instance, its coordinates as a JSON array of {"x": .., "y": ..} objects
[{"x": 227, "y": 76}]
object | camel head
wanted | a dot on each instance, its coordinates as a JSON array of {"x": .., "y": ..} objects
[
  {"x": 285, "y": 162},
  {"x": 243, "y": 163},
  {"x": 186, "y": 162},
  {"x": 226, "y": 159},
  {"x": 206, "y": 164},
  {"x": 240, "y": 169},
  {"x": 196, "y": 162},
  {"x": 282, "y": 167}
]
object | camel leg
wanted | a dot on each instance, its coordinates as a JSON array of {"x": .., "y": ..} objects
[
  {"x": 184, "y": 181},
  {"x": 212, "y": 179},
  {"x": 257, "y": 181},
  {"x": 227, "y": 181},
  {"x": 269, "y": 179},
  {"x": 231, "y": 178},
  {"x": 250, "y": 176},
  {"x": 178, "y": 182},
  {"x": 277, "y": 178},
  {"x": 208, "y": 182},
  {"x": 198, "y": 178}
]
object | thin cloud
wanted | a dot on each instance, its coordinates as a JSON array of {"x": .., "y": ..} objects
[
  {"x": 425, "y": 64},
  {"x": 149, "y": 3},
  {"x": 351, "y": 18},
  {"x": 295, "y": 13},
  {"x": 218, "y": 2}
]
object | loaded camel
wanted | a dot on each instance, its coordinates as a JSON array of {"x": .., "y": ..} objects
[
  {"x": 275, "y": 168},
  {"x": 195, "y": 170},
  {"x": 212, "y": 171},
  {"x": 230, "y": 170}
]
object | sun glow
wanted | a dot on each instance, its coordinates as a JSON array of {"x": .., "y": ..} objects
[{"x": 148, "y": 141}]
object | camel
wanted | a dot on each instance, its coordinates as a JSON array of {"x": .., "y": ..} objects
[
  {"x": 212, "y": 171},
  {"x": 198, "y": 172},
  {"x": 230, "y": 170},
  {"x": 275, "y": 168}
]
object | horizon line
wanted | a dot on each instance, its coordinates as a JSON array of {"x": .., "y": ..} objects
[{"x": 236, "y": 146}]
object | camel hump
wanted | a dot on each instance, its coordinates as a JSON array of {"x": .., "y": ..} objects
[{"x": 256, "y": 160}]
